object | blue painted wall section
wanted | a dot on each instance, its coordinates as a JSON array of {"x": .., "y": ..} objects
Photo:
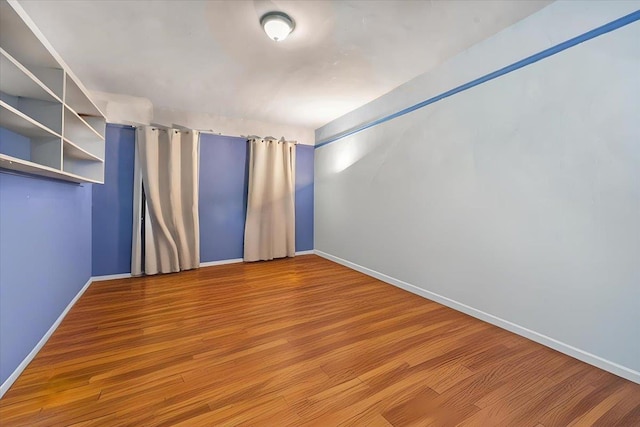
[
  {"x": 112, "y": 211},
  {"x": 304, "y": 197},
  {"x": 223, "y": 199},
  {"x": 224, "y": 181},
  {"x": 45, "y": 259}
]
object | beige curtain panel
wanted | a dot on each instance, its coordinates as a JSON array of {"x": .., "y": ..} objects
[
  {"x": 168, "y": 164},
  {"x": 271, "y": 226}
]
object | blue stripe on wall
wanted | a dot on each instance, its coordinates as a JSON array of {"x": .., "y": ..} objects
[
  {"x": 613, "y": 25},
  {"x": 112, "y": 210},
  {"x": 45, "y": 259}
]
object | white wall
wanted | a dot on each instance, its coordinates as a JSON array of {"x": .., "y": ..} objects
[
  {"x": 124, "y": 109},
  {"x": 232, "y": 126},
  {"x": 133, "y": 110},
  {"x": 517, "y": 201},
  {"x": 552, "y": 25}
]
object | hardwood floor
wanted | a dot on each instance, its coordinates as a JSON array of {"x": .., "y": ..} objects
[{"x": 297, "y": 342}]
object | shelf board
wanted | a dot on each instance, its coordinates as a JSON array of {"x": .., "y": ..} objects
[
  {"x": 77, "y": 98},
  {"x": 43, "y": 101},
  {"x": 19, "y": 81},
  {"x": 18, "y": 37},
  {"x": 88, "y": 126},
  {"x": 13, "y": 163},
  {"x": 98, "y": 123},
  {"x": 81, "y": 179},
  {"x": 74, "y": 151},
  {"x": 20, "y": 123}
]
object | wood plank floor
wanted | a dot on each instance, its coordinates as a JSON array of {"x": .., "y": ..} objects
[{"x": 297, "y": 342}]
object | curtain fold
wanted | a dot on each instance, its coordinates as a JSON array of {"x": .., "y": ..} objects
[
  {"x": 270, "y": 222},
  {"x": 168, "y": 165}
]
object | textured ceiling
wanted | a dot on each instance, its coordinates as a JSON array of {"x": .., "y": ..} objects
[{"x": 212, "y": 56}]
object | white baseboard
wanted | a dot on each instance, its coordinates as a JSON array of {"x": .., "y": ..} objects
[
  {"x": 21, "y": 367},
  {"x": 111, "y": 277},
  {"x": 311, "y": 252},
  {"x": 234, "y": 260},
  {"x": 221, "y": 262},
  {"x": 577, "y": 353}
]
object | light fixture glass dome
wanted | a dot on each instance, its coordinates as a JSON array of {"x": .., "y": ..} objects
[{"x": 277, "y": 25}]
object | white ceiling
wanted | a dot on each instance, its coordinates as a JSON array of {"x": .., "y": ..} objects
[{"x": 212, "y": 56}]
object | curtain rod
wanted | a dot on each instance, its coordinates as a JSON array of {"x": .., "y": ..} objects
[
  {"x": 267, "y": 137},
  {"x": 179, "y": 127},
  {"x": 206, "y": 131}
]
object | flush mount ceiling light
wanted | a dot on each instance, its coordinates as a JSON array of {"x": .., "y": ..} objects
[{"x": 277, "y": 25}]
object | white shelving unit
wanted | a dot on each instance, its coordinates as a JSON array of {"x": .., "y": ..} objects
[{"x": 50, "y": 125}]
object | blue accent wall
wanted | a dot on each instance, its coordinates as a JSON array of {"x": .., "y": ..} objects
[
  {"x": 223, "y": 200},
  {"x": 304, "y": 197},
  {"x": 224, "y": 176},
  {"x": 45, "y": 259},
  {"x": 223, "y": 196},
  {"x": 112, "y": 211}
]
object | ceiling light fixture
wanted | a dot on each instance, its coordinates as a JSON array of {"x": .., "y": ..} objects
[{"x": 277, "y": 25}]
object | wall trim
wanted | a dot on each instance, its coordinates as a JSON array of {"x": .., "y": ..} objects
[
  {"x": 560, "y": 346},
  {"x": 310, "y": 252},
  {"x": 111, "y": 277},
  {"x": 6, "y": 385},
  {"x": 603, "y": 29},
  {"x": 220, "y": 262},
  {"x": 235, "y": 260}
]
